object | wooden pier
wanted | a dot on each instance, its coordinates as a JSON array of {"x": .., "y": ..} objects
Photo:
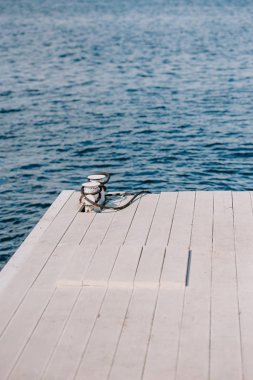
[{"x": 160, "y": 290}]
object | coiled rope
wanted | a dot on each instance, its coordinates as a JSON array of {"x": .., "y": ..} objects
[
  {"x": 117, "y": 208},
  {"x": 103, "y": 187}
]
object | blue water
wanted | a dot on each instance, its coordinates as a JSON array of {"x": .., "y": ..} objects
[{"x": 160, "y": 93}]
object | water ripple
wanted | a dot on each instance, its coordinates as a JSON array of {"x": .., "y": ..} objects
[{"x": 157, "y": 92}]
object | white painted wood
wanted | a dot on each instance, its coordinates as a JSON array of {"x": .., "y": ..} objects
[
  {"x": 225, "y": 359},
  {"x": 243, "y": 223},
  {"x": 150, "y": 266},
  {"x": 193, "y": 354},
  {"x": 99, "y": 269},
  {"x": 68, "y": 352},
  {"x": 49, "y": 216},
  {"x": 130, "y": 355},
  {"x": 98, "y": 229},
  {"x": 161, "y": 224},
  {"x": 131, "y": 350},
  {"x": 97, "y": 276},
  {"x": 16, "y": 290},
  {"x": 38, "y": 349},
  {"x": 26, "y": 317},
  {"x": 120, "y": 225},
  {"x": 177, "y": 252},
  {"x": 22, "y": 254},
  {"x": 102, "y": 265},
  {"x": 80, "y": 259},
  {"x": 126, "y": 265},
  {"x": 79, "y": 264},
  {"x": 162, "y": 351},
  {"x": 98, "y": 355},
  {"x": 78, "y": 228},
  {"x": 104, "y": 222},
  {"x": 40, "y": 295},
  {"x": 140, "y": 226},
  {"x": 61, "y": 223},
  {"x": 96, "y": 310},
  {"x": 93, "y": 227}
]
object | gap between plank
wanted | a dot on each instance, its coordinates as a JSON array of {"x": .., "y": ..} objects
[{"x": 188, "y": 268}]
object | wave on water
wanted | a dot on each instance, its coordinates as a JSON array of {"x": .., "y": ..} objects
[{"x": 158, "y": 93}]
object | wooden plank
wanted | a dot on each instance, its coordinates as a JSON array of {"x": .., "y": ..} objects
[
  {"x": 179, "y": 243},
  {"x": 17, "y": 289},
  {"x": 97, "y": 311},
  {"x": 37, "y": 298},
  {"x": 95, "y": 226},
  {"x": 161, "y": 357},
  {"x": 104, "y": 260},
  {"x": 243, "y": 224},
  {"x": 126, "y": 266},
  {"x": 98, "y": 354},
  {"x": 50, "y": 270},
  {"x": 61, "y": 223},
  {"x": 78, "y": 254},
  {"x": 193, "y": 354},
  {"x": 26, "y": 248},
  {"x": 162, "y": 348},
  {"x": 62, "y": 364},
  {"x": 101, "y": 267},
  {"x": 151, "y": 262},
  {"x": 74, "y": 338},
  {"x": 163, "y": 218},
  {"x": 26, "y": 317},
  {"x": 36, "y": 305},
  {"x": 48, "y": 217},
  {"x": 130, "y": 354},
  {"x": 78, "y": 266},
  {"x": 97, "y": 357},
  {"x": 121, "y": 224},
  {"x": 225, "y": 357},
  {"x": 45, "y": 335},
  {"x": 111, "y": 226},
  {"x": 140, "y": 226},
  {"x": 129, "y": 357},
  {"x": 79, "y": 226},
  {"x": 98, "y": 228}
]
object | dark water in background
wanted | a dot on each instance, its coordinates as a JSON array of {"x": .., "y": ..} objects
[{"x": 157, "y": 92}]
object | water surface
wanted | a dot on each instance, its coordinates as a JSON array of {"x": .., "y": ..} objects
[{"x": 157, "y": 92}]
